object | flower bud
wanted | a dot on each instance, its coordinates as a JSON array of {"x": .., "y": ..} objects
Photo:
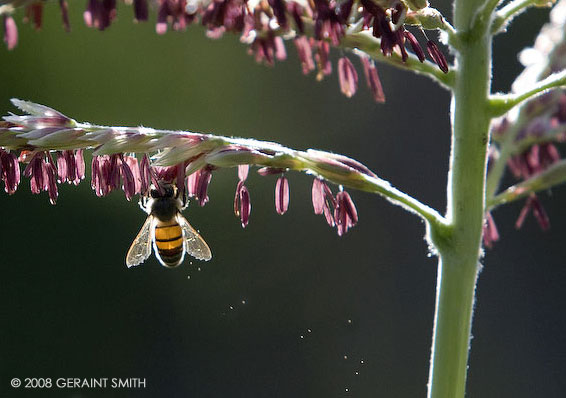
[{"x": 429, "y": 18}]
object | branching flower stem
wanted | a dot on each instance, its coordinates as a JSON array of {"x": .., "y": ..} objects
[
  {"x": 501, "y": 104},
  {"x": 369, "y": 45},
  {"x": 523, "y": 112},
  {"x": 510, "y": 146},
  {"x": 490, "y": 6},
  {"x": 174, "y": 147},
  {"x": 511, "y": 10},
  {"x": 552, "y": 176},
  {"x": 507, "y": 149},
  {"x": 552, "y": 135}
]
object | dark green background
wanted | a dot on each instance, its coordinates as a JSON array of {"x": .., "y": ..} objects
[{"x": 70, "y": 307}]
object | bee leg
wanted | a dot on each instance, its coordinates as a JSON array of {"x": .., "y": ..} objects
[
  {"x": 143, "y": 203},
  {"x": 184, "y": 200}
]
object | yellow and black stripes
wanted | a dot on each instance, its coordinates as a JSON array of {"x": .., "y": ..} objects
[{"x": 169, "y": 242}]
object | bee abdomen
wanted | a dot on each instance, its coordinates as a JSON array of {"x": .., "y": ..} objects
[
  {"x": 171, "y": 258},
  {"x": 169, "y": 243}
]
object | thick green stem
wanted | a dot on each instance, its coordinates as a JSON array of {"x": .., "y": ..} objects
[
  {"x": 454, "y": 304},
  {"x": 459, "y": 252}
]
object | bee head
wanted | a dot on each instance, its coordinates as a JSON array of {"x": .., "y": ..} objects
[{"x": 166, "y": 191}]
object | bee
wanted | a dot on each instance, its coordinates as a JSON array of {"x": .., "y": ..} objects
[{"x": 167, "y": 229}]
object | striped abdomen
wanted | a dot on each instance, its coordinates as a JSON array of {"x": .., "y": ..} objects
[{"x": 169, "y": 243}]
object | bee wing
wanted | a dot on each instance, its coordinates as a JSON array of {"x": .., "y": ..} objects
[
  {"x": 141, "y": 247},
  {"x": 194, "y": 243}
]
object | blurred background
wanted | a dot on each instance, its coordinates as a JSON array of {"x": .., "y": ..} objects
[{"x": 285, "y": 308}]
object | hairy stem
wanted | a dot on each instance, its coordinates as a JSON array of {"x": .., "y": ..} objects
[
  {"x": 507, "y": 13},
  {"x": 46, "y": 129},
  {"x": 454, "y": 305},
  {"x": 501, "y": 104},
  {"x": 497, "y": 170},
  {"x": 366, "y": 43},
  {"x": 459, "y": 253},
  {"x": 554, "y": 175}
]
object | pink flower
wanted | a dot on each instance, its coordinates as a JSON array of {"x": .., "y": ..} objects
[
  {"x": 328, "y": 24},
  {"x": 304, "y": 51},
  {"x": 372, "y": 79},
  {"x": 43, "y": 175},
  {"x": 533, "y": 204},
  {"x": 197, "y": 185},
  {"x": 339, "y": 211},
  {"x": 65, "y": 14},
  {"x": 100, "y": 13},
  {"x": 112, "y": 171},
  {"x": 140, "y": 10},
  {"x": 323, "y": 200},
  {"x": 9, "y": 171},
  {"x": 437, "y": 56},
  {"x": 10, "y": 32},
  {"x": 282, "y": 195},
  {"x": 347, "y": 76},
  {"x": 242, "y": 204},
  {"x": 70, "y": 166},
  {"x": 345, "y": 213},
  {"x": 490, "y": 233},
  {"x": 417, "y": 49}
]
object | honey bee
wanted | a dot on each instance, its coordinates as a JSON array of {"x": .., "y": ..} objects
[{"x": 165, "y": 227}]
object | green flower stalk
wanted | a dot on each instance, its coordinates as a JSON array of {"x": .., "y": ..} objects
[{"x": 46, "y": 130}]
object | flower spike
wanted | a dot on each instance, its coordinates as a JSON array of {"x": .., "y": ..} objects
[{"x": 185, "y": 159}]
